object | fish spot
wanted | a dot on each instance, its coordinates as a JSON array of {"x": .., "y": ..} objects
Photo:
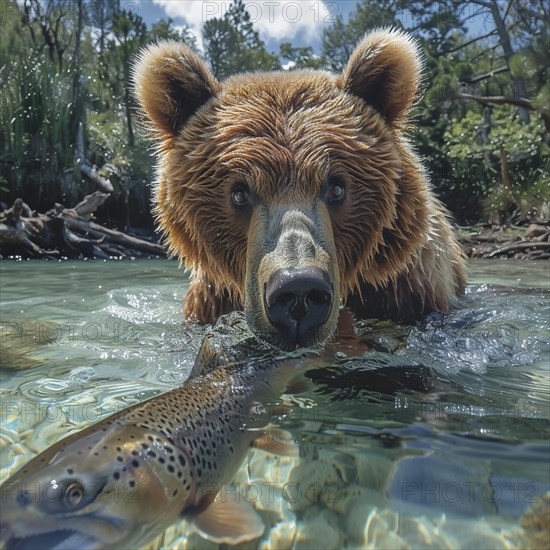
[
  {"x": 162, "y": 460},
  {"x": 70, "y": 471},
  {"x": 132, "y": 483},
  {"x": 174, "y": 492},
  {"x": 145, "y": 445},
  {"x": 119, "y": 449},
  {"x": 171, "y": 468},
  {"x": 152, "y": 454},
  {"x": 23, "y": 498},
  {"x": 116, "y": 475},
  {"x": 135, "y": 463},
  {"x": 119, "y": 458}
]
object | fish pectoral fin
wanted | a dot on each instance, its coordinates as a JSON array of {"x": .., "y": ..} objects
[
  {"x": 278, "y": 442},
  {"x": 229, "y": 521}
]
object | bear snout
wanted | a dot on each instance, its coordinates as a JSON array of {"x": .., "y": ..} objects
[
  {"x": 298, "y": 301},
  {"x": 293, "y": 292}
]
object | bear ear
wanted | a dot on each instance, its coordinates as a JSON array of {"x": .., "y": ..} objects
[
  {"x": 384, "y": 71},
  {"x": 171, "y": 83}
]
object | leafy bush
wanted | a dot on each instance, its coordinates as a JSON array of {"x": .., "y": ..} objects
[{"x": 509, "y": 171}]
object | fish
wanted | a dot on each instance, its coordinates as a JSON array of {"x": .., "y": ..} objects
[{"x": 123, "y": 481}]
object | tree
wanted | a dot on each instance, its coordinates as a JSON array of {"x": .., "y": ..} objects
[
  {"x": 163, "y": 30},
  {"x": 231, "y": 44},
  {"x": 101, "y": 15},
  {"x": 301, "y": 57},
  {"x": 340, "y": 38},
  {"x": 129, "y": 35}
]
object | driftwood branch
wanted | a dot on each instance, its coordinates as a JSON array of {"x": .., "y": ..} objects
[
  {"x": 92, "y": 174},
  {"x": 517, "y": 247},
  {"x": 69, "y": 232},
  {"x": 88, "y": 170},
  {"x": 90, "y": 204}
]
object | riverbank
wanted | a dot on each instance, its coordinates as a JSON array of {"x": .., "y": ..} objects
[
  {"x": 530, "y": 242},
  {"x": 74, "y": 233}
]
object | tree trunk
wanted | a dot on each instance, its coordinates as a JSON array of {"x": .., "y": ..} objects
[
  {"x": 485, "y": 132},
  {"x": 131, "y": 139},
  {"x": 505, "y": 172},
  {"x": 519, "y": 89}
]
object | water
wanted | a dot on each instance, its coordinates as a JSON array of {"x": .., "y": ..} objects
[{"x": 436, "y": 438}]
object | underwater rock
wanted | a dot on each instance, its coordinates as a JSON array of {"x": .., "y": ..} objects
[{"x": 536, "y": 523}]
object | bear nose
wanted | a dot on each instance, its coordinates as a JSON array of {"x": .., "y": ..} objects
[{"x": 298, "y": 300}]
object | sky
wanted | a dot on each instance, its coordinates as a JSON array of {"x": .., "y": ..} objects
[{"x": 300, "y": 22}]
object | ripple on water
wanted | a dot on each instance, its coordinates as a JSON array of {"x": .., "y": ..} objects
[
  {"x": 495, "y": 328},
  {"x": 481, "y": 371}
]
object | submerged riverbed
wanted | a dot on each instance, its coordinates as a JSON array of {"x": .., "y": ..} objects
[{"x": 437, "y": 437}]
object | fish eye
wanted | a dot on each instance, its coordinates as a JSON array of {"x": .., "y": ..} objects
[{"x": 74, "y": 494}]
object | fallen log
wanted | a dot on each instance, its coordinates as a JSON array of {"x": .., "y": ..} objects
[
  {"x": 517, "y": 247},
  {"x": 113, "y": 236},
  {"x": 86, "y": 207},
  {"x": 67, "y": 232}
]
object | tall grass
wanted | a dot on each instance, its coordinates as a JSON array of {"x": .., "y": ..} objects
[{"x": 38, "y": 120}]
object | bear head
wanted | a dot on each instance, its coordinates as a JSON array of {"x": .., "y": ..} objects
[{"x": 288, "y": 190}]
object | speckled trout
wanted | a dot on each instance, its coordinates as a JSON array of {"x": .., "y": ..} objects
[{"x": 124, "y": 480}]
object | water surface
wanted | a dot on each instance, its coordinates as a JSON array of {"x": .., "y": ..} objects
[{"x": 437, "y": 437}]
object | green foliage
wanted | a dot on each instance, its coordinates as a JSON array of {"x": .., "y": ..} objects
[
  {"x": 163, "y": 30},
  {"x": 37, "y": 113},
  {"x": 233, "y": 46},
  {"x": 340, "y": 38},
  {"x": 485, "y": 162},
  {"x": 302, "y": 58},
  {"x": 478, "y": 164}
]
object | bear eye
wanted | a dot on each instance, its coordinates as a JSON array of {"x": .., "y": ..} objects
[
  {"x": 336, "y": 190},
  {"x": 240, "y": 196}
]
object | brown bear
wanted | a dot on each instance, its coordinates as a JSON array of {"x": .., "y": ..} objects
[{"x": 293, "y": 193}]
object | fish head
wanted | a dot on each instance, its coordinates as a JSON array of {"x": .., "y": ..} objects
[{"x": 95, "y": 492}]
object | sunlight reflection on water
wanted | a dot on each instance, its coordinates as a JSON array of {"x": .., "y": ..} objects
[{"x": 461, "y": 397}]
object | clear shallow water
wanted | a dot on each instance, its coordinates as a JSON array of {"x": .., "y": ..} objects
[{"x": 436, "y": 438}]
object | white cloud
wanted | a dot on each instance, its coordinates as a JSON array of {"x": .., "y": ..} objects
[{"x": 280, "y": 20}]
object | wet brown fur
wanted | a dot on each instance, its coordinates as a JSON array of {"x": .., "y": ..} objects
[{"x": 283, "y": 134}]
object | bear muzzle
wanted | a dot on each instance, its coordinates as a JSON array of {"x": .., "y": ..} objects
[
  {"x": 298, "y": 301},
  {"x": 292, "y": 277}
]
